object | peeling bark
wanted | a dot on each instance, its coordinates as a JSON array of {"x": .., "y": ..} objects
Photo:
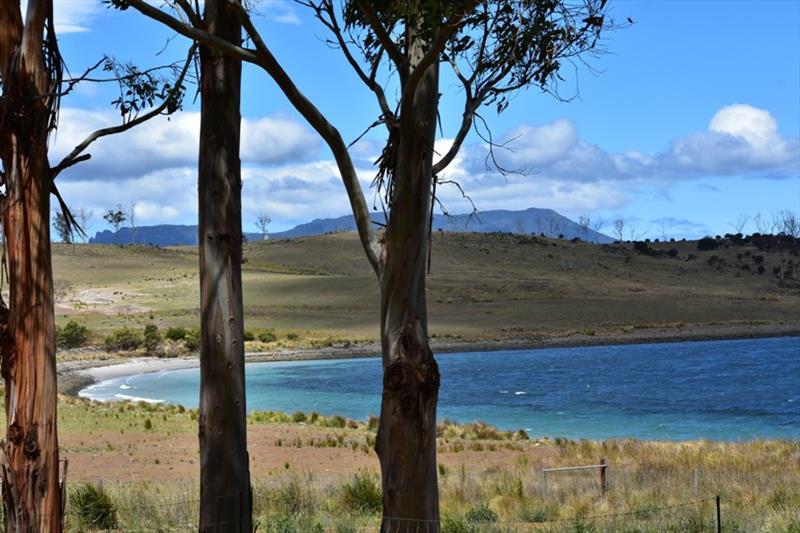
[
  {"x": 224, "y": 464},
  {"x": 31, "y": 494}
]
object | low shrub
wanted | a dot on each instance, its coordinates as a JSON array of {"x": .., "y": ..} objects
[
  {"x": 152, "y": 338},
  {"x": 93, "y": 507},
  {"x": 707, "y": 243},
  {"x": 192, "y": 340},
  {"x": 363, "y": 494},
  {"x": 267, "y": 336},
  {"x": 176, "y": 334},
  {"x": 124, "y": 339},
  {"x": 292, "y": 336},
  {"x": 248, "y": 336},
  {"x": 481, "y": 513},
  {"x": 72, "y": 335}
]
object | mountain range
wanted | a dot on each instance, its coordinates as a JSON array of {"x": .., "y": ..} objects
[{"x": 531, "y": 220}]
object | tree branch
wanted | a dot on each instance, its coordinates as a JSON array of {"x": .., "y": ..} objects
[
  {"x": 75, "y": 156},
  {"x": 202, "y": 37},
  {"x": 326, "y": 130},
  {"x": 470, "y": 105},
  {"x": 332, "y": 24},
  {"x": 400, "y": 60}
]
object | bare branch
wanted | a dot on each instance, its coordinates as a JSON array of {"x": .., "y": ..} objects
[
  {"x": 202, "y": 37},
  {"x": 326, "y": 14},
  {"x": 190, "y": 13},
  {"x": 470, "y": 105},
  {"x": 75, "y": 155},
  {"x": 326, "y": 130}
]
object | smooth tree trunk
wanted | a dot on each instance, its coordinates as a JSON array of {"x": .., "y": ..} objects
[
  {"x": 30, "y": 469},
  {"x": 406, "y": 442},
  {"x": 225, "y": 495}
]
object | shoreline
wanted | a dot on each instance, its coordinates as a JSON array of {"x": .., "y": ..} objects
[{"x": 75, "y": 376}]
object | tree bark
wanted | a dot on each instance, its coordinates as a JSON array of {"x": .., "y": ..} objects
[
  {"x": 224, "y": 464},
  {"x": 30, "y": 468},
  {"x": 406, "y": 442}
]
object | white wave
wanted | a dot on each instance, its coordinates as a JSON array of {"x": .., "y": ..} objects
[
  {"x": 124, "y": 387},
  {"x": 520, "y": 392},
  {"x": 503, "y": 392},
  {"x": 136, "y": 398}
]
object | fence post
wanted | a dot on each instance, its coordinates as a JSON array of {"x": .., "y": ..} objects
[
  {"x": 719, "y": 516},
  {"x": 603, "y": 477},
  {"x": 544, "y": 484},
  {"x": 696, "y": 481}
]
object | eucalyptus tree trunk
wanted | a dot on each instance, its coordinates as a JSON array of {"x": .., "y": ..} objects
[
  {"x": 406, "y": 442},
  {"x": 224, "y": 464},
  {"x": 31, "y": 495}
]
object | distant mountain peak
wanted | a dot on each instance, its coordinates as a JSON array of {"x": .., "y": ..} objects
[{"x": 532, "y": 220}]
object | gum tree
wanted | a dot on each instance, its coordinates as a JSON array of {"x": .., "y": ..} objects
[
  {"x": 494, "y": 48},
  {"x": 31, "y": 81}
]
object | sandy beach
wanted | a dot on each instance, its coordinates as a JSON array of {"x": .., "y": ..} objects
[{"x": 75, "y": 376}]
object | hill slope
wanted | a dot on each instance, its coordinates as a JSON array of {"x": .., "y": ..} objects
[
  {"x": 481, "y": 286},
  {"x": 530, "y": 220}
]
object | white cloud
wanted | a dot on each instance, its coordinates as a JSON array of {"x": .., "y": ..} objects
[
  {"x": 278, "y": 10},
  {"x": 71, "y": 16},
  {"x": 741, "y": 140},
  {"x": 162, "y": 143},
  {"x": 154, "y": 167}
]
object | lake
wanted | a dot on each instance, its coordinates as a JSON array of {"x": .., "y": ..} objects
[{"x": 722, "y": 390}]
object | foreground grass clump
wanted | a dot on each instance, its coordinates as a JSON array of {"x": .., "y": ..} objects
[{"x": 92, "y": 507}]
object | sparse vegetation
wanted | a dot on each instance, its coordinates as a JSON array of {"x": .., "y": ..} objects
[
  {"x": 72, "y": 335},
  {"x": 124, "y": 339},
  {"x": 558, "y": 277}
]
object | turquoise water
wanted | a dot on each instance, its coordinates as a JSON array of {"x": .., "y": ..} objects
[{"x": 726, "y": 390}]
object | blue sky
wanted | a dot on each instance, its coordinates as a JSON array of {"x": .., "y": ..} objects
[{"x": 691, "y": 118}]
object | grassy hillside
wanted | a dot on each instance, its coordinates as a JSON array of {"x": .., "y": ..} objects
[{"x": 481, "y": 287}]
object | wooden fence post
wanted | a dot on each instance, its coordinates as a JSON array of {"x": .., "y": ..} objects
[
  {"x": 544, "y": 484},
  {"x": 719, "y": 516},
  {"x": 603, "y": 476}
]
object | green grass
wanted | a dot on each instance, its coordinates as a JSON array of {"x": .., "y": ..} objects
[{"x": 319, "y": 291}]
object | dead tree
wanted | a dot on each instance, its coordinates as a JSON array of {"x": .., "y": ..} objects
[{"x": 494, "y": 48}]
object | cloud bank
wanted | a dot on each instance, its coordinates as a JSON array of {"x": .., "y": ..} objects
[{"x": 153, "y": 166}]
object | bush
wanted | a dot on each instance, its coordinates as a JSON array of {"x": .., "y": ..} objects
[
  {"x": 123, "y": 340},
  {"x": 267, "y": 336},
  {"x": 707, "y": 243},
  {"x": 298, "y": 417},
  {"x": 176, "y": 334},
  {"x": 152, "y": 338},
  {"x": 192, "y": 340},
  {"x": 72, "y": 335},
  {"x": 672, "y": 252},
  {"x": 363, "y": 494},
  {"x": 93, "y": 507},
  {"x": 248, "y": 336},
  {"x": 481, "y": 513},
  {"x": 292, "y": 336}
]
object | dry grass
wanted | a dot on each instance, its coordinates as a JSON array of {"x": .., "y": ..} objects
[
  {"x": 319, "y": 291},
  {"x": 484, "y": 474}
]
